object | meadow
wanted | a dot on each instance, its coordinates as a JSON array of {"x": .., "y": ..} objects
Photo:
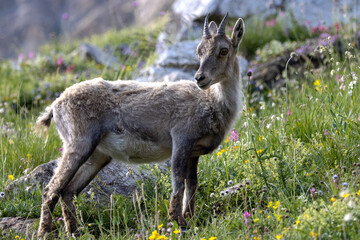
[{"x": 293, "y": 157}]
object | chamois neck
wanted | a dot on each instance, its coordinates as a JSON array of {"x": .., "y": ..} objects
[{"x": 227, "y": 93}]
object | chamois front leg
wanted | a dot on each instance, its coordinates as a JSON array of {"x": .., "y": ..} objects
[
  {"x": 191, "y": 187},
  {"x": 179, "y": 166}
]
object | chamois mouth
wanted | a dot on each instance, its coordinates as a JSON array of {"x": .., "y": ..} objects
[{"x": 205, "y": 85}]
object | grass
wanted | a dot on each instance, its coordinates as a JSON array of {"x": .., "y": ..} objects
[{"x": 295, "y": 158}]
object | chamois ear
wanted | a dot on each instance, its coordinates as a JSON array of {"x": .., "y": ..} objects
[
  {"x": 238, "y": 32},
  {"x": 213, "y": 28}
]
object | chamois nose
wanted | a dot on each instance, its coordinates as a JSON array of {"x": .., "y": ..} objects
[{"x": 199, "y": 77}]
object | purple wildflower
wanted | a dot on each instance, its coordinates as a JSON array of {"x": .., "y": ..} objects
[
  {"x": 135, "y": 4},
  {"x": 326, "y": 132},
  {"x": 335, "y": 178},
  {"x": 65, "y": 16},
  {"x": 288, "y": 112},
  {"x": 162, "y": 13},
  {"x": 141, "y": 64},
  {"x": 312, "y": 192}
]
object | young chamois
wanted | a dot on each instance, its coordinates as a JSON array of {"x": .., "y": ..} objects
[{"x": 134, "y": 122}]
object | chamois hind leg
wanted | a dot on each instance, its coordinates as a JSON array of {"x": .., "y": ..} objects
[
  {"x": 191, "y": 187},
  {"x": 82, "y": 178},
  {"x": 179, "y": 165},
  {"x": 73, "y": 157}
]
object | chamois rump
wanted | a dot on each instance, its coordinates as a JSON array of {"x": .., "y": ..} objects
[{"x": 135, "y": 122}]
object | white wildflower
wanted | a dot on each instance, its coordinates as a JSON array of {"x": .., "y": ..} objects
[{"x": 348, "y": 217}]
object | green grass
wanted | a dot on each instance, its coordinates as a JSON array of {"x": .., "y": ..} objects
[{"x": 285, "y": 160}]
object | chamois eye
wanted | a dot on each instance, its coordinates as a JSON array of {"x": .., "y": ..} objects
[{"x": 224, "y": 51}]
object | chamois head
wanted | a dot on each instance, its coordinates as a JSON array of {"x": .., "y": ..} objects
[{"x": 217, "y": 53}]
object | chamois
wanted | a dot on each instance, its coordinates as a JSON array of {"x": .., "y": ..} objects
[{"x": 135, "y": 122}]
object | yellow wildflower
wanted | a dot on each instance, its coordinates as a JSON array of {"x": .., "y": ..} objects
[
  {"x": 277, "y": 204},
  {"x": 270, "y": 204},
  {"x": 297, "y": 222},
  {"x": 268, "y": 217},
  {"x": 248, "y": 161},
  {"x": 212, "y": 238},
  {"x": 11, "y": 177},
  {"x": 16, "y": 237},
  {"x": 177, "y": 231},
  {"x": 28, "y": 156},
  {"x": 11, "y": 142},
  {"x": 163, "y": 237},
  {"x": 317, "y": 83},
  {"x": 256, "y": 220},
  {"x": 260, "y": 211},
  {"x": 261, "y": 138},
  {"x": 332, "y": 199},
  {"x": 160, "y": 226},
  {"x": 358, "y": 193},
  {"x": 202, "y": 238},
  {"x": 128, "y": 68},
  {"x": 313, "y": 234},
  {"x": 279, "y": 217},
  {"x": 259, "y": 151},
  {"x": 154, "y": 235},
  {"x": 279, "y": 236},
  {"x": 256, "y": 238},
  {"x": 346, "y": 195},
  {"x": 307, "y": 174}
]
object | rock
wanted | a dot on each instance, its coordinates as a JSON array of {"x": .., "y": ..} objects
[
  {"x": 115, "y": 178},
  {"x": 178, "y": 62},
  {"x": 87, "y": 50},
  {"x": 188, "y": 15},
  {"x": 160, "y": 74},
  {"x": 271, "y": 72},
  {"x": 18, "y": 225},
  {"x": 180, "y": 55}
]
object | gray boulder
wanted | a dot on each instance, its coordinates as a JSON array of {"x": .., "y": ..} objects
[
  {"x": 115, "y": 178},
  {"x": 18, "y": 225},
  {"x": 90, "y": 51}
]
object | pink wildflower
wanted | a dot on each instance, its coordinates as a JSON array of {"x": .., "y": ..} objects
[
  {"x": 31, "y": 55},
  {"x": 270, "y": 23},
  {"x": 247, "y": 215},
  {"x": 21, "y": 56},
  {"x": 234, "y": 135},
  {"x": 60, "y": 61}
]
